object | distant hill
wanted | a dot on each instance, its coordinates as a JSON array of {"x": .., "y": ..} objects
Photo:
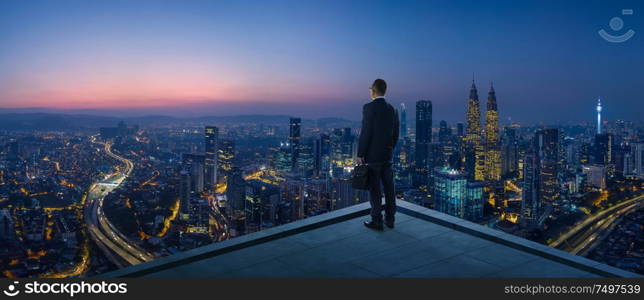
[
  {"x": 45, "y": 121},
  {"x": 264, "y": 119},
  {"x": 60, "y": 121}
]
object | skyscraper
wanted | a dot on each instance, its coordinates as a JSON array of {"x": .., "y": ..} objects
[
  {"x": 474, "y": 152},
  {"x": 637, "y": 150},
  {"x": 492, "y": 147},
  {"x": 322, "y": 150},
  {"x": 444, "y": 132},
  {"x": 317, "y": 157},
  {"x": 546, "y": 146},
  {"x": 423, "y": 139},
  {"x": 226, "y": 155},
  {"x": 294, "y": 141},
  {"x": 342, "y": 149},
  {"x": 603, "y": 149},
  {"x": 184, "y": 192},
  {"x": 195, "y": 165},
  {"x": 531, "y": 204},
  {"x": 282, "y": 160},
  {"x": 448, "y": 155},
  {"x": 212, "y": 151},
  {"x": 473, "y": 118},
  {"x": 403, "y": 162},
  {"x": 584, "y": 153},
  {"x": 549, "y": 187},
  {"x": 510, "y": 151},
  {"x": 457, "y": 196},
  {"x": 403, "y": 120},
  {"x": 595, "y": 176},
  {"x": 306, "y": 161},
  {"x": 236, "y": 190}
]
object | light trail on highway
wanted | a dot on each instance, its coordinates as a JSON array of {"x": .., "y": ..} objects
[
  {"x": 109, "y": 239},
  {"x": 595, "y": 219}
]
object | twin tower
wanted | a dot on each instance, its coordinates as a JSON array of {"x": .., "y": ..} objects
[{"x": 482, "y": 145}]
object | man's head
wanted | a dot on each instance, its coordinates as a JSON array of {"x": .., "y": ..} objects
[{"x": 378, "y": 88}]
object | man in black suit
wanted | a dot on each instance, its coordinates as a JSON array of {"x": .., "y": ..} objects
[{"x": 378, "y": 137}]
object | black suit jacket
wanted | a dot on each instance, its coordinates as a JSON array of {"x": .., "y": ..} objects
[{"x": 379, "y": 133}]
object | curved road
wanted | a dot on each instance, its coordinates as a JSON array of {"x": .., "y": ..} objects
[
  {"x": 104, "y": 234},
  {"x": 587, "y": 240},
  {"x": 596, "y": 218}
]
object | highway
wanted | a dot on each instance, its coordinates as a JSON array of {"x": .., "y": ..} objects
[
  {"x": 586, "y": 240},
  {"x": 117, "y": 248},
  {"x": 220, "y": 226},
  {"x": 595, "y": 223}
]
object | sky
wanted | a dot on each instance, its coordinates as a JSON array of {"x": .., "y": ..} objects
[{"x": 318, "y": 58}]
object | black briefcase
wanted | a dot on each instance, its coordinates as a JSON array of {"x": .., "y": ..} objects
[{"x": 360, "y": 179}]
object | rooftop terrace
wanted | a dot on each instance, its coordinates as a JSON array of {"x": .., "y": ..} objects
[{"x": 424, "y": 243}]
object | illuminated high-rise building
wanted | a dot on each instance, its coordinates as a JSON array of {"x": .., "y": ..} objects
[
  {"x": 456, "y": 195},
  {"x": 306, "y": 161},
  {"x": 195, "y": 164},
  {"x": 342, "y": 149},
  {"x": 322, "y": 152},
  {"x": 211, "y": 151},
  {"x": 294, "y": 141},
  {"x": 584, "y": 153},
  {"x": 199, "y": 216},
  {"x": 403, "y": 120},
  {"x": 282, "y": 161},
  {"x": 226, "y": 155},
  {"x": 595, "y": 176},
  {"x": 492, "y": 145},
  {"x": 637, "y": 151},
  {"x": 448, "y": 152},
  {"x": 546, "y": 144},
  {"x": 509, "y": 152},
  {"x": 603, "y": 149},
  {"x": 549, "y": 181},
  {"x": 261, "y": 203},
  {"x": 184, "y": 193},
  {"x": 423, "y": 140},
  {"x": 403, "y": 162},
  {"x": 546, "y": 147},
  {"x": 474, "y": 151},
  {"x": 236, "y": 190},
  {"x": 531, "y": 204}
]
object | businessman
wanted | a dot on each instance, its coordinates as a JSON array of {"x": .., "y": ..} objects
[{"x": 378, "y": 137}]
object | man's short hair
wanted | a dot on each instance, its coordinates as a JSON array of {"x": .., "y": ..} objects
[{"x": 379, "y": 86}]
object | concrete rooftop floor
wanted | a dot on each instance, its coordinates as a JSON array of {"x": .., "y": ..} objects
[{"x": 424, "y": 243}]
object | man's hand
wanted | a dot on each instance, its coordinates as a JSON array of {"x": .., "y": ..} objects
[{"x": 360, "y": 160}]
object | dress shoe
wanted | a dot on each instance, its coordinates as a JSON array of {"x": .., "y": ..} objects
[
  {"x": 374, "y": 225},
  {"x": 390, "y": 224}
]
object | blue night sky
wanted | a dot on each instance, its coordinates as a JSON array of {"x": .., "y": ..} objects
[{"x": 318, "y": 58}]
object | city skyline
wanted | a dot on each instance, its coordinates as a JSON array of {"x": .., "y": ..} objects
[
  {"x": 219, "y": 138},
  {"x": 156, "y": 190},
  {"x": 194, "y": 59}
]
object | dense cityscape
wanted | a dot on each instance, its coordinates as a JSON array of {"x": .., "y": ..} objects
[{"x": 83, "y": 202}]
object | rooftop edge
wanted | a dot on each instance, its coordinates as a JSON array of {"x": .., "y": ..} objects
[{"x": 359, "y": 210}]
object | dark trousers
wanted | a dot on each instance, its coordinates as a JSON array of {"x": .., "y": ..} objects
[{"x": 382, "y": 174}]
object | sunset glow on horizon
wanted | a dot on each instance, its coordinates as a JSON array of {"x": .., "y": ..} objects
[{"x": 315, "y": 56}]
